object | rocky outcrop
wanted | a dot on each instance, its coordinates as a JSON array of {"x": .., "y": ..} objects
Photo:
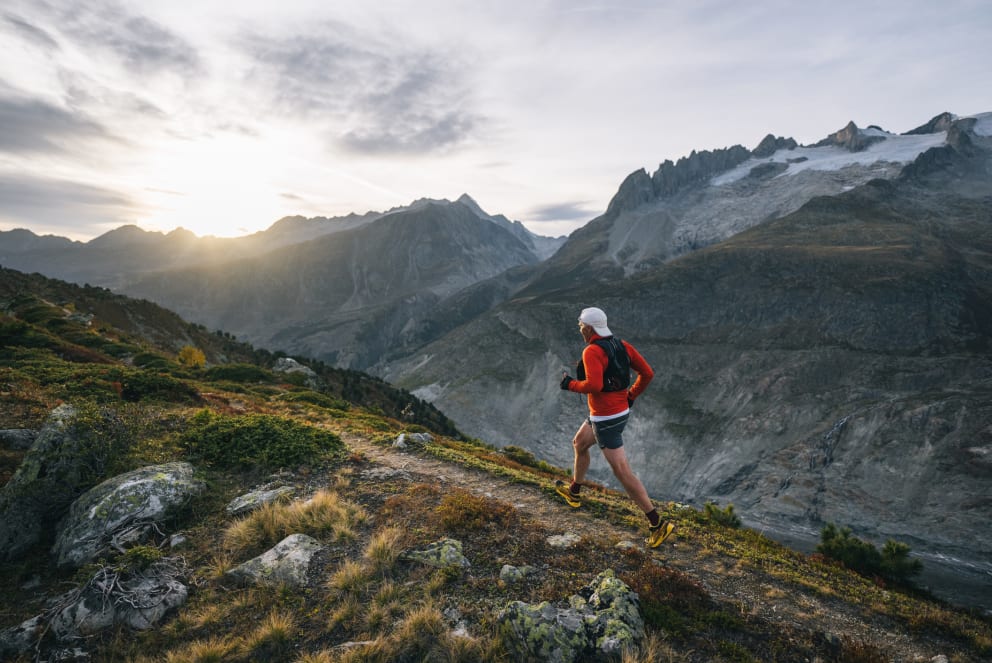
[
  {"x": 771, "y": 144},
  {"x": 123, "y": 510},
  {"x": 850, "y": 138},
  {"x": 45, "y": 483},
  {"x": 602, "y": 620},
  {"x": 18, "y": 439},
  {"x": 443, "y": 554},
  {"x": 940, "y": 122},
  {"x": 139, "y": 599},
  {"x": 256, "y": 499},
  {"x": 285, "y": 564},
  {"x": 697, "y": 167},
  {"x": 290, "y": 366}
]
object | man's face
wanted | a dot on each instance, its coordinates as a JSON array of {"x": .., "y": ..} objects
[{"x": 586, "y": 331}]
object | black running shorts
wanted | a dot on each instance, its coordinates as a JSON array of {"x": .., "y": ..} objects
[{"x": 609, "y": 433}]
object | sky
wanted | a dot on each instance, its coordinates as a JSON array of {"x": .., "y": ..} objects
[{"x": 222, "y": 117}]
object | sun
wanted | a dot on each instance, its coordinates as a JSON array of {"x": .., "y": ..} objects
[{"x": 225, "y": 185}]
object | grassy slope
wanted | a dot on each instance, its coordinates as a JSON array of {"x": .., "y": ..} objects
[{"x": 361, "y": 591}]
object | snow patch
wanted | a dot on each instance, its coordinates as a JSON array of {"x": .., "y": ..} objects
[
  {"x": 983, "y": 127},
  {"x": 894, "y": 149}
]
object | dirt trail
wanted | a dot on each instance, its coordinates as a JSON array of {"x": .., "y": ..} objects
[{"x": 741, "y": 587}]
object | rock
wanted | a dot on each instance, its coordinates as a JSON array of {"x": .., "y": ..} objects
[
  {"x": 514, "y": 574},
  {"x": 18, "y": 439},
  {"x": 285, "y": 564},
  {"x": 403, "y": 440},
  {"x": 44, "y": 485},
  {"x": 601, "y": 621},
  {"x": 19, "y": 639},
  {"x": 769, "y": 145},
  {"x": 139, "y": 601},
  {"x": 256, "y": 499},
  {"x": 122, "y": 509},
  {"x": 290, "y": 365},
  {"x": 566, "y": 540},
  {"x": 443, "y": 554}
]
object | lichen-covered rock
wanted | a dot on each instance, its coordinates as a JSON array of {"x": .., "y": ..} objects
[
  {"x": 443, "y": 554},
  {"x": 285, "y": 564},
  {"x": 43, "y": 485},
  {"x": 603, "y": 619},
  {"x": 256, "y": 499},
  {"x": 514, "y": 574},
  {"x": 139, "y": 601},
  {"x": 18, "y": 439},
  {"x": 122, "y": 509},
  {"x": 290, "y": 365}
]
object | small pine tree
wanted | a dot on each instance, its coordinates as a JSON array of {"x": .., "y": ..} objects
[{"x": 192, "y": 357}]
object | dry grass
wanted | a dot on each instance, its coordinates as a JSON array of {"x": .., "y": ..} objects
[
  {"x": 272, "y": 640},
  {"x": 325, "y": 515},
  {"x": 383, "y": 550}
]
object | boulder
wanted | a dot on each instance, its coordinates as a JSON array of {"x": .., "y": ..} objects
[
  {"x": 256, "y": 499},
  {"x": 18, "y": 439},
  {"x": 600, "y": 621},
  {"x": 443, "y": 554},
  {"x": 290, "y": 365},
  {"x": 121, "y": 510},
  {"x": 285, "y": 564},
  {"x": 44, "y": 485},
  {"x": 139, "y": 601}
]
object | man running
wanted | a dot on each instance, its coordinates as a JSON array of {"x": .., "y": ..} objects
[{"x": 606, "y": 363}]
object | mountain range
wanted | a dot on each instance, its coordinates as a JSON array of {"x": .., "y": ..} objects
[{"x": 819, "y": 319}]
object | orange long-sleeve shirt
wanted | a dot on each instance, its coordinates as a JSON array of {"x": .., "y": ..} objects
[{"x": 606, "y": 403}]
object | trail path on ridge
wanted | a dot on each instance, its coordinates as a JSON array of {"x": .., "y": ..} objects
[{"x": 741, "y": 587}]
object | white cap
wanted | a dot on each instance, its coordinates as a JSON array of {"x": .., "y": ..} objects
[{"x": 595, "y": 318}]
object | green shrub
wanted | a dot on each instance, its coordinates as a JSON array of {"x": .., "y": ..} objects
[
  {"x": 260, "y": 440},
  {"x": 725, "y": 517},
  {"x": 520, "y": 455},
  {"x": 152, "y": 361},
  {"x": 146, "y": 385},
  {"x": 239, "y": 373},
  {"x": 892, "y": 563},
  {"x": 316, "y": 398}
]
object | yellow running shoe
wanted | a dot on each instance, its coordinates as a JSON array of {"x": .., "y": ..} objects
[
  {"x": 657, "y": 535},
  {"x": 565, "y": 491}
]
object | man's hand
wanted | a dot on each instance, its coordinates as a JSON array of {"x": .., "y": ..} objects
[{"x": 566, "y": 380}]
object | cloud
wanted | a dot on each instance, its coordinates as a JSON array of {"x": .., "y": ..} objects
[
  {"x": 32, "y": 33},
  {"x": 63, "y": 206},
  {"x": 384, "y": 95},
  {"x": 141, "y": 44},
  {"x": 568, "y": 211},
  {"x": 32, "y": 126}
]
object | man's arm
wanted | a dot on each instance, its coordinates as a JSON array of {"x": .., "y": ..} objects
[
  {"x": 644, "y": 371},
  {"x": 595, "y": 360}
]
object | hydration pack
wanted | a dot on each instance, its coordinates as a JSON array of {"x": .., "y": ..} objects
[{"x": 616, "y": 377}]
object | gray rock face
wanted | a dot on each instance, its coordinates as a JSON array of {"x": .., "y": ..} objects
[
  {"x": 43, "y": 486},
  {"x": 601, "y": 620},
  {"x": 18, "y": 439},
  {"x": 139, "y": 600},
  {"x": 291, "y": 366},
  {"x": 122, "y": 509},
  {"x": 256, "y": 499},
  {"x": 443, "y": 554},
  {"x": 287, "y": 563}
]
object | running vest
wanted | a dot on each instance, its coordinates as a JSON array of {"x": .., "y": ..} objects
[{"x": 616, "y": 377}]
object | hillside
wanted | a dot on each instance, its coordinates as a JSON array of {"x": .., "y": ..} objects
[
  {"x": 831, "y": 365},
  {"x": 717, "y": 592}
]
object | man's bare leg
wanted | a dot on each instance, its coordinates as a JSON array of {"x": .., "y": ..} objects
[
  {"x": 617, "y": 459},
  {"x": 584, "y": 440}
]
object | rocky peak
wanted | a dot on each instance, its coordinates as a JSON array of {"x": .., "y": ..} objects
[
  {"x": 771, "y": 144},
  {"x": 635, "y": 190},
  {"x": 697, "y": 167},
  {"x": 940, "y": 122},
  {"x": 851, "y": 138}
]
